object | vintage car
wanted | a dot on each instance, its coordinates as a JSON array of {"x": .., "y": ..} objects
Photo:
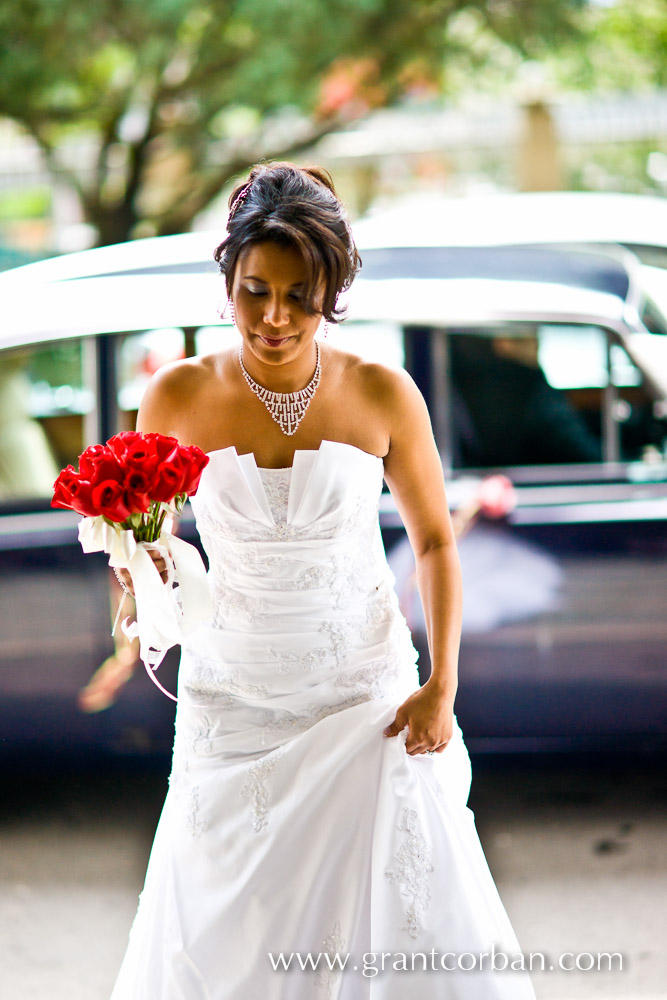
[{"x": 548, "y": 366}]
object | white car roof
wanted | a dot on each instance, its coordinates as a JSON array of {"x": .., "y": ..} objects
[
  {"x": 424, "y": 220},
  {"x": 183, "y": 253},
  {"x": 478, "y": 301},
  {"x": 542, "y": 217},
  {"x": 56, "y": 310}
]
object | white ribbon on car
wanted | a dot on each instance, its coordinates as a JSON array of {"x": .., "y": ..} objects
[{"x": 165, "y": 614}]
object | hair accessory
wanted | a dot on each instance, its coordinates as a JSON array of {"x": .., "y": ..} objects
[
  {"x": 238, "y": 201},
  {"x": 287, "y": 408}
]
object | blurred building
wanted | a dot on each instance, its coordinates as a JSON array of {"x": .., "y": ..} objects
[{"x": 613, "y": 143}]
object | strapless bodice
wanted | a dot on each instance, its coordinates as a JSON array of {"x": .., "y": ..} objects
[
  {"x": 292, "y": 542},
  {"x": 330, "y": 492},
  {"x": 306, "y": 620}
]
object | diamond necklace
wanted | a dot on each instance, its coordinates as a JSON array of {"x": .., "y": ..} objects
[{"x": 287, "y": 408}]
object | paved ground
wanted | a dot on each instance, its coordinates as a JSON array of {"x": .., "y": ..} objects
[{"x": 577, "y": 849}]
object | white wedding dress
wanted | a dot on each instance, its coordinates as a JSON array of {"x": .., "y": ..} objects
[{"x": 292, "y": 824}]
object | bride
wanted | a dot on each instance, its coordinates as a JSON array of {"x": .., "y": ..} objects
[{"x": 315, "y": 839}]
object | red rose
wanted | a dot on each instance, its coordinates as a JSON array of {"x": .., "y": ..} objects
[
  {"x": 90, "y": 458},
  {"x": 119, "y": 444},
  {"x": 72, "y": 492},
  {"x": 98, "y": 463},
  {"x": 195, "y": 462},
  {"x": 62, "y": 496},
  {"x": 109, "y": 500},
  {"x": 142, "y": 456},
  {"x": 83, "y": 501},
  {"x": 164, "y": 445},
  {"x": 138, "y": 491},
  {"x": 168, "y": 479}
]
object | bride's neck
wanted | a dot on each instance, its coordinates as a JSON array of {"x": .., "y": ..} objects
[{"x": 286, "y": 377}]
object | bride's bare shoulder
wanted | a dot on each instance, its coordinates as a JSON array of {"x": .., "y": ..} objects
[
  {"x": 374, "y": 380},
  {"x": 177, "y": 389}
]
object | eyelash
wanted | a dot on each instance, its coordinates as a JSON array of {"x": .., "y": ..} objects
[{"x": 258, "y": 294}]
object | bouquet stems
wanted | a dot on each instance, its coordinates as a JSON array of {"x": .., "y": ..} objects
[{"x": 147, "y": 527}]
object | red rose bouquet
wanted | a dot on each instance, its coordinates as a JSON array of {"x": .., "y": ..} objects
[
  {"x": 127, "y": 489},
  {"x": 132, "y": 481}
]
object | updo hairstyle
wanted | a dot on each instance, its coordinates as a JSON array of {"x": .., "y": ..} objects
[{"x": 294, "y": 207}]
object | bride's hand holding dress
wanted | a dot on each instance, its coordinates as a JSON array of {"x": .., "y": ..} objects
[{"x": 429, "y": 719}]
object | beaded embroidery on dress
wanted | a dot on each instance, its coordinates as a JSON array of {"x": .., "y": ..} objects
[{"x": 292, "y": 824}]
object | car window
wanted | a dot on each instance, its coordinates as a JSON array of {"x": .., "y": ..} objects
[
  {"x": 575, "y": 358},
  {"x": 538, "y": 395},
  {"x": 526, "y": 395},
  {"x": 47, "y": 404}
]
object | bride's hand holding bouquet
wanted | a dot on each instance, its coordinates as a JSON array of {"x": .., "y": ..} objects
[{"x": 128, "y": 490}]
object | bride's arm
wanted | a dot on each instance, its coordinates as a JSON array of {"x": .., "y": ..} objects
[{"x": 413, "y": 472}]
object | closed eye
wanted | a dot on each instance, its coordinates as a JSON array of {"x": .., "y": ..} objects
[{"x": 258, "y": 293}]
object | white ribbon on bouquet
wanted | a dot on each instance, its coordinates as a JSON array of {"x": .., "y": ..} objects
[{"x": 165, "y": 614}]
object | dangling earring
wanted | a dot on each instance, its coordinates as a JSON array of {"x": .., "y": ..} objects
[
  {"x": 232, "y": 313},
  {"x": 326, "y": 329}
]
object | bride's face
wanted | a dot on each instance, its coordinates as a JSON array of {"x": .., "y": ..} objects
[{"x": 267, "y": 296}]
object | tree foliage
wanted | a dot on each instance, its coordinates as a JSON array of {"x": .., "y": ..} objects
[
  {"x": 176, "y": 97},
  {"x": 622, "y": 47}
]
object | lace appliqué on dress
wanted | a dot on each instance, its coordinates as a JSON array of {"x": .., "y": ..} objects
[
  {"x": 193, "y": 821},
  {"x": 412, "y": 871},
  {"x": 254, "y": 787},
  {"x": 345, "y": 633},
  {"x": 231, "y": 603},
  {"x": 288, "y": 658},
  {"x": 330, "y": 960},
  {"x": 200, "y": 737},
  {"x": 276, "y": 483},
  {"x": 342, "y": 635},
  {"x": 373, "y": 680},
  {"x": 294, "y": 723},
  {"x": 205, "y": 683}
]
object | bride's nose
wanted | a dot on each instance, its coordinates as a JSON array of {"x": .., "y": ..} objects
[{"x": 276, "y": 312}]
